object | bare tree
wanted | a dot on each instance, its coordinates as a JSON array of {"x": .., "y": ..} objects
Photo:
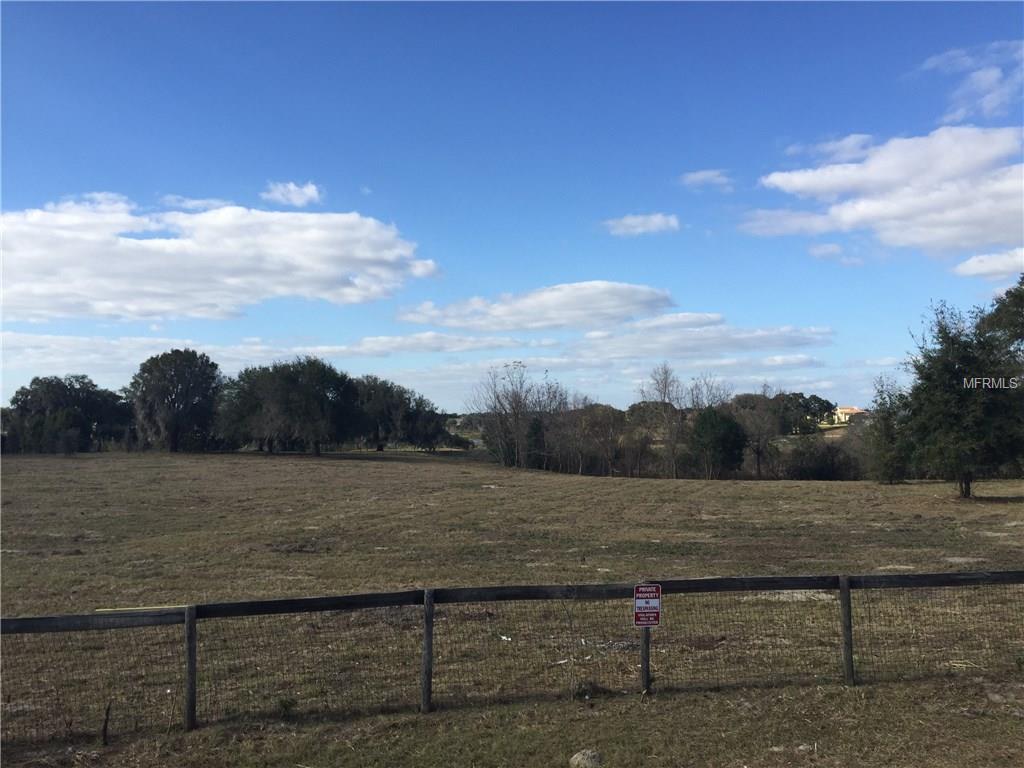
[
  {"x": 707, "y": 391},
  {"x": 664, "y": 395},
  {"x": 504, "y": 398}
]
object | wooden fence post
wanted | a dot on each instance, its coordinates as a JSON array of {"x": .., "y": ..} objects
[
  {"x": 645, "y": 659},
  {"x": 846, "y": 623},
  {"x": 190, "y": 667},
  {"x": 427, "y": 664}
]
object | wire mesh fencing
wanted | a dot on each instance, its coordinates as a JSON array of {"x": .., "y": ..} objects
[
  {"x": 94, "y": 684},
  {"x": 310, "y": 657},
  {"x": 715, "y": 640},
  {"x": 902, "y": 634},
  {"x": 345, "y": 663},
  {"x": 487, "y": 652}
]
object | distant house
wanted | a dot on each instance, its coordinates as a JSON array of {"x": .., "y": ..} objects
[{"x": 845, "y": 412}]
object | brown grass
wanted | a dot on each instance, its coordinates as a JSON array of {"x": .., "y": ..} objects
[{"x": 113, "y": 531}]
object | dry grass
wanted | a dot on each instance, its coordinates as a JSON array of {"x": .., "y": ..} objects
[{"x": 113, "y": 531}]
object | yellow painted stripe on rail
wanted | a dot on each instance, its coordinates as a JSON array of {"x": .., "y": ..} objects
[{"x": 137, "y": 608}]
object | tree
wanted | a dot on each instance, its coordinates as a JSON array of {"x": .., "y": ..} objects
[
  {"x": 820, "y": 410},
  {"x": 423, "y": 426},
  {"x": 304, "y": 404},
  {"x": 718, "y": 442},
  {"x": 384, "y": 405},
  {"x": 799, "y": 414},
  {"x": 603, "y": 426},
  {"x": 174, "y": 397},
  {"x": 66, "y": 414},
  {"x": 663, "y": 396},
  {"x": 966, "y": 405},
  {"x": 1006, "y": 318},
  {"x": 887, "y": 445},
  {"x": 759, "y": 418},
  {"x": 707, "y": 391},
  {"x": 814, "y": 458},
  {"x": 504, "y": 399}
]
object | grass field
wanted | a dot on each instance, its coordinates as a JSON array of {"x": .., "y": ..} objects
[{"x": 112, "y": 530}]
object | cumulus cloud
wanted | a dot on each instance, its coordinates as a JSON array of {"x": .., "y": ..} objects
[
  {"x": 100, "y": 256},
  {"x": 712, "y": 177},
  {"x": 959, "y": 187},
  {"x": 992, "y": 78},
  {"x": 290, "y": 193},
  {"x": 580, "y": 305},
  {"x": 642, "y": 224},
  {"x": 993, "y": 266}
]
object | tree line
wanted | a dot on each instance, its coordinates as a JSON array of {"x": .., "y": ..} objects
[
  {"x": 961, "y": 417},
  {"x": 179, "y": 400},
  {"x": 676, "y": 429}
]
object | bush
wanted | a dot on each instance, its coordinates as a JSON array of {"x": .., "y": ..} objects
[{"x": 814, "y": 458}]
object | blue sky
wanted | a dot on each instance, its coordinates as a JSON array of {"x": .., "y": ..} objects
[{"x": 763, "y": 192}]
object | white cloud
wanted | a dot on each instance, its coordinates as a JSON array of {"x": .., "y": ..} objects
[
  {"x": 790, "y": 361},
  {"x": 946, "y": 154},
  {"x": 956, "y": 188},
  {"x": 642, "y": 224},
  {"x": 688, "y": 343},
  {"x": 191, "y": 203},
  {"x": 993, "y": 266},
  {"x": 99, "y": 256},
  {"x": 112, "y": 361},
  {"x": 712, "y": 177},
  {"x": 822, "y": 250},
  {"x": 852, "y": 147},
  {"x": 772, "y": 362},
  {"x": 992, "y": 78},
  {"x": 579, "y": 305},
  {"x": 834, "y": 252},
  {"x": 290, "y": 193},
  {"x": 680, "y": 320},
  {"x": 428, "y": 341}
]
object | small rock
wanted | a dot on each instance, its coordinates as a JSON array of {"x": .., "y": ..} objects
[
  {"x": 997, "y": 698},
  {"x": 586, "y": 758}
]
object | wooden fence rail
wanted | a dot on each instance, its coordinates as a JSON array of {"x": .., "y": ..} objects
[{"x": 189, "y": 616}]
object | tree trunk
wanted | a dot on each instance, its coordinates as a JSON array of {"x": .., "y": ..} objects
[{"x": 964, "y": 485}]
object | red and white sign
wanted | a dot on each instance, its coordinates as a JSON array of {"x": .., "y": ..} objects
[{"x": 647, "y": 605}]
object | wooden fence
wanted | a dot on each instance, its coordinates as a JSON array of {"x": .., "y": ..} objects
[{"x": 189, "y": 616}]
